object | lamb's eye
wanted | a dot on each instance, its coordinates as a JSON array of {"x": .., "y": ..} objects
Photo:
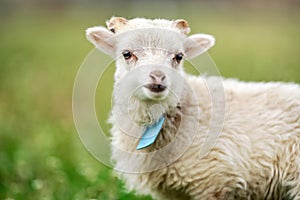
[
  {"x": 178, "y": 57},
  {"x": 127, "y": 54},
  {"x": 112, "y": 30}
]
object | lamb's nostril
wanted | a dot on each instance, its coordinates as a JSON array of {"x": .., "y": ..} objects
[
  {"x": 152, "y": 77},
  {"x": 157, "y": 76}
]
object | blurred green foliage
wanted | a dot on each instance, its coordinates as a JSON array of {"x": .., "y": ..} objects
[{"x": 41, "y": 156}]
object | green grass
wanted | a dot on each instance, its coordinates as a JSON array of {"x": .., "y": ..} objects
[{"x": 41, "y": 156}]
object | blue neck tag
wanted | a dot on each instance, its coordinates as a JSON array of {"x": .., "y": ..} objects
[{"x": 150, "y": 134}]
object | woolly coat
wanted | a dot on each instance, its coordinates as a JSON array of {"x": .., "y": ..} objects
[{"x": 257, "y": 155}]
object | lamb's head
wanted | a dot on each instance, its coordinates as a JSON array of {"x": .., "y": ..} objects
[{"x": 157, "y": 47}]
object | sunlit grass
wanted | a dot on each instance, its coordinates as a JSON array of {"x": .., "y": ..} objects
[{"x": 41, "y": 156}]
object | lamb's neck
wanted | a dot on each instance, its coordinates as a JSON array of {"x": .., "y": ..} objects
[
  {"x": 125, "y": 138},
  {"x": 146, "y": 113}
]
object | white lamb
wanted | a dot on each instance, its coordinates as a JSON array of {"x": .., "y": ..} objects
[{"x": 257, "y": 154}]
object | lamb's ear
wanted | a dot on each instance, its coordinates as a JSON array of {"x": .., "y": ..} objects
[
  {"x": 101, "y": 38},
  {"x": 196, "y": 44}
]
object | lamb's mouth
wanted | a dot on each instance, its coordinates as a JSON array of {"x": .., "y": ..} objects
[{"x": 156, "y": 88}]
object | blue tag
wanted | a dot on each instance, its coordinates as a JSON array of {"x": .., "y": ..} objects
[{"x": 150, "y": 134}]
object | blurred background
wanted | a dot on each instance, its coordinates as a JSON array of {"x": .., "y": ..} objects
[{"x": 42, "y": 44}]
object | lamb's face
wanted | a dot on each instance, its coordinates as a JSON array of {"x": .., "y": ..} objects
[
  {"x": 154, "y": 55},
  {"x": 153, "y": 49}
]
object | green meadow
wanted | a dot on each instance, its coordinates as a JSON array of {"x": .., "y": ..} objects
[{"x": 41, "y": 156}]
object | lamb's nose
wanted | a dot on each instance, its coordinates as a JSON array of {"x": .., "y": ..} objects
[{"x": 157, "y": 76}]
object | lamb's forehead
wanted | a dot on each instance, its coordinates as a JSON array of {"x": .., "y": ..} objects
[
  {"x": 151, "y": 38},
  {"x": 120, "y": 25}
]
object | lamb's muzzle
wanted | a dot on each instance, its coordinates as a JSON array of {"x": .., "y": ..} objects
[
  {"x": 157, "y": 85},
  {"x": 154, "y": 87}
]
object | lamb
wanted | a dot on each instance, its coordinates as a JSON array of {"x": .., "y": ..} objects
[{"x": 257, "y": 153}]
